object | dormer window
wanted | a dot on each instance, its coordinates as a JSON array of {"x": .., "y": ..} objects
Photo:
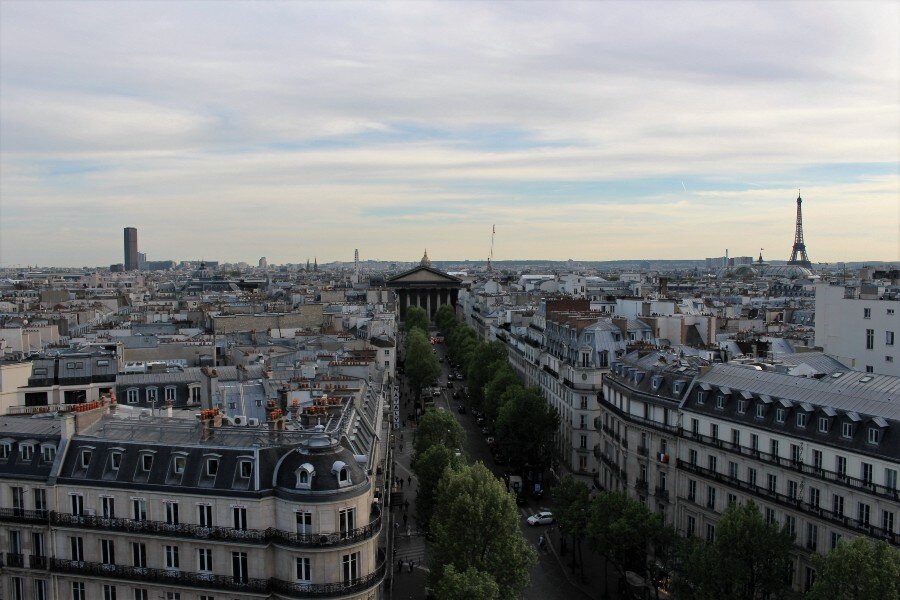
[
  {"x": 701, "y": 398},
  {"x": 48, "y": 453},
  {"x": 305, "y": 473},
  {"x": 742, "y": 406},
  {"x": 779, "y": 415},
  {"x": 146, "y": 462},
  {"x": 344, "y": 477},
  {"x": 86, "y": 458},
  {"x": 760, "y": 411},
  {"x": 115, "y": 461},
  {"x": 212, "y": 466},
  {"x": 801, "y": 420},
  {"x": 245, "y": 469},
  {"x": 178, "y": 464},
  {"x": 873, "y": 436},
  {"x": 823, "y": 425},
  {"x": 340, "y": 470},
  {"x": 720, "y": 402},
  {"x": 5, "y": 449},
  {"x": 847, "y": 430},
  {"x": 27, "y": 451}
]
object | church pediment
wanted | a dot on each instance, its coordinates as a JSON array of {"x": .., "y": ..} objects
[{"x": 422, "y": 274}]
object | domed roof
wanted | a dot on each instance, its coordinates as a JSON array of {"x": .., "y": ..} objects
[
  {"x": 320, "y": 465},
  {"x": 425, "y": 262}
]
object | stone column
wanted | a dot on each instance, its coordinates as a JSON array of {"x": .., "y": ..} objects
[
  {"x": 428, "y": 303},
  {"x": 401, "y": 302}
]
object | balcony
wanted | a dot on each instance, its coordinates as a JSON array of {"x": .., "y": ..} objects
[
  {"x": 15, "y": 559},
  {"x": 818, "y": 472},
  {"x": 161, "y": 576},
  {"x": 226, "y": 534},
  {"x": 661, "y": 493},
  {"x": 177, "y": 578},
  {"x": 37, "y": 562},
  {"x": 641, "y": 485},
  {"x": 643, "y": 450},
  {"x": 793, "y": 503},
  {"x": 20, "y": 515}
]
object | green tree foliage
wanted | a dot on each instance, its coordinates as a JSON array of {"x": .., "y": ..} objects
[
  {"x": 437, "y": 427},
  {"x": 445, "y": 319},
  {"x": 572, "y": 501},
  {"x": 624, "y": 531},
  {"x": 494, "y": 390},
  {"x": 466, "y": 585},
  {"x": 526, "y": 424},
  {"x": 476, "y": 525},
  {"x": 859, "y": 570},
  {"x": 752, "y": 558},
  {"x": 416, "y": 318},
  {"x": 430, "y": 467},
  {"x": 421, "y": 364},
  {"x": 487, "y": 358},
  {"x": 461, "y": 342}
]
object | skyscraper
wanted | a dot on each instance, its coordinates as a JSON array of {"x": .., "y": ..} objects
[{"x": 131, "y": 249}]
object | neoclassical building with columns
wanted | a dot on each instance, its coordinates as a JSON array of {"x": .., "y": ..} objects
[{"x": 425, "y": 287}]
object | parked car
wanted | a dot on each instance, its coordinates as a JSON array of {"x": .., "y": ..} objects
[
  {"x": 490, "y": 440},
  {"x": 544, "y": 517},
  {"x": 436, "y": 392}
]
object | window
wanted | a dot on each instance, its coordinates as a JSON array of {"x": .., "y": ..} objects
[
  {"x": 151, "y": 395},
  {"x": 239, "y": 517},
  {"x": 691, "y": 526},
  {"x": 701, "y": 397},
  {"x": 796, "y": 454},
  {"x": 865, "y": 471},
  {"x": 304, "y": 522},
  {"x": 17, "y": 588},
  {"x": 713, "y": 463},
  {"x": 817, "y": 459},
  {"x": 140, "y": 594},
  {"x": 692, "y": 456},
  {"x": 695, "y": 426},
  {"x": 170, "y": 394},
  {"x": 108, "y": 507},
  {"x": 204, "y": 515},
  {"x": 18, "y": 500},
  {"x": 138, "y": 509},
  {"x": 15, "y": 541},
  {"x": 731, "y": 499},
  {"x": 742, "y": 407},
  {"x": 713, "y": 431},
  {"x": 109, "y": 592},
  {"x": 76, "y": 548},
  {"x": 772, "y": 482},
  {"x": 239, "y": 567},
  {"x": 888, "y": 338},
  {"x": 171, "y": 554},
  {"x": 350, "y": 567},
  {"x": 212, "y": 466},
  {"x": 178, "y": 465},
  {"x": 710, "y": 533},
  {"x": 837, "y": 505},
  {"x": 48, "y": 453},
  {"x": 204, "y": 560},
  {"x": 751, "y": 476},
  {"x": 754, "y": 441},
  {"x": 173, "y": 595},
  {"x": 823, "y": 425},
  {"x": 801, "y": 419},
  {"x": 304, "y": 572},
  {"x": 790, "y": 524},
  {"x": 890, "y": 479},
  {"x": 770, "y": 515},
  {"x": 692, "y": 490},
  {"x": 760, "y": 411},
  {"x": 779, "y": 415},
  {"x": 814, "y": 497},
  {"x": 347, "y": 519},
  {"x": 867, "y": 313},
  {"x": 246, "y": 468},
  {"x": 887, "y": 521},
  {"x": 171, "y": 513},
  {"x": 107, "y": 552},
  {"x": 720, "y": 402},
  {"x": 86, "y": 458},
  {"x": 810, "y": 579},
  {"x": 847, "y": 430},
  {"x": 132, "y": 395},
  {"x": 5, "y": 449},
  {"x": 40, "y": 589},
  {"x": 735, "y": 437},
  {"x": 812, "y": 536},
  {"x": 773, "y": 448},
  {"x": 711, "y": 497},
  {"x": 37, "y": 544},
  {"x": 139, "y": 555},
  {"x": 146, "y": 462},
  {"x": 78, "y": 591},
  {"x": 862, "y": 513},
  {"x": 872, "y": 437},
  {"x": 732, "y": 469},
  {"x": 77, "y": 503},
  {"x": 870, "y": 339},
  {"x": 115, "y": 460}
]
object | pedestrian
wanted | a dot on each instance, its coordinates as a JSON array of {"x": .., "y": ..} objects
[
  {"x": 410, "y": 566},
  {"x": 409, "y": 480},
  {"x": 541, "y": 543},
  {"x": 405, "y": 518},
  {"x": 400, "y": 565},
  {"x": 396, "y": 525}
]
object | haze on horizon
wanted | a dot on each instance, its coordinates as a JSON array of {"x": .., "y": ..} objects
[{"x": 592, "y": 131}]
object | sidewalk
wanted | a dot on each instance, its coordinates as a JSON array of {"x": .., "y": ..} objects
[{"x": 408, "y": 543}]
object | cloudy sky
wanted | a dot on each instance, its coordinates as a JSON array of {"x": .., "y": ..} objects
[{"x": 591, "y": 131}]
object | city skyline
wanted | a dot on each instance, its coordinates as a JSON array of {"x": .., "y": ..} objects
[{"x": 587, "y": 131}]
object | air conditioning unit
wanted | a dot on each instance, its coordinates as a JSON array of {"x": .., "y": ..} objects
[
  {"x": 253, "y": 422},
  {"x": 240, "y": 420}
]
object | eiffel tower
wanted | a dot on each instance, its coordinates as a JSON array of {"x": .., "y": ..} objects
[{"x": 798, "y": 253}]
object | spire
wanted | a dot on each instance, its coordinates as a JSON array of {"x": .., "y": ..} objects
[
  {"x": 798, "y": 252},
  {"x": 315, "y": 263},
  {"x": 425, "y": 262}
]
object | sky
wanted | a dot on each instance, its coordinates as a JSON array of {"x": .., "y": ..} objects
[{"x": 583, "y": 130}]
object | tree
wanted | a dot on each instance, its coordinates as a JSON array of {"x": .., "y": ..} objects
[
  {"x": 421, "y": 364},
  {"x": 466, "y": 585},
  {"x": 494, "y": 390},
  {"x": 751, "y": 556},
  {"x": 487, "y": 358},
  {"x": 572, "y": 500},
  {"x": 445, "y": 319},
  {"x": 416, "y": 318},
  {"x": 859, "y": 570},
  {"x": 460, "y": 343},
  {"x": 430, "y": 467},
  {"x": 526, "y": 424},
  {"x": 476, "y": 525},
  {"x": 437, "y": 427},
  {"x": 624, "y": 531}
]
